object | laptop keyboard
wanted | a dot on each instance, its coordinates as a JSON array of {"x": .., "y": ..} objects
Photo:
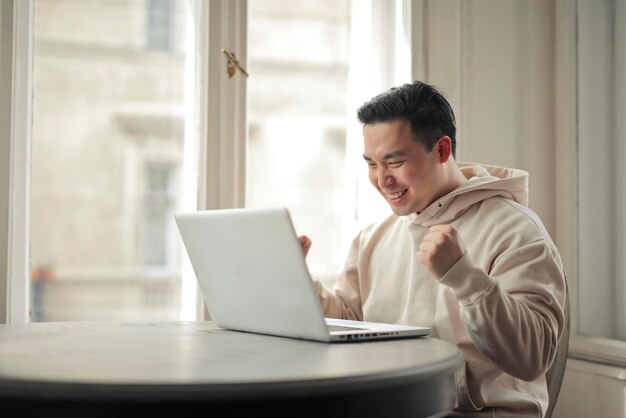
[{"x": 342, "y": 328}]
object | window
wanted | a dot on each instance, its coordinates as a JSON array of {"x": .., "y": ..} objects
[
  {"x": 108, "y": 144},
  {"x": 159, "y": 208},
  {"x": 304, "y": 89},
  {"x": 297, "y": 117},
  {"x": 602, "y": 194},
  {"x": 159, "y": 24}
]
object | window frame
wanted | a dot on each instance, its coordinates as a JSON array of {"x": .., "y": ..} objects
[{"x": 16, "y": 110}]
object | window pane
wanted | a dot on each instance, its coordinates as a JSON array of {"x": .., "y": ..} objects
[
  {"x": 298, "y": 54},
  {"x": 107, "y": 156},
  {"x": 601, "y": 175}
]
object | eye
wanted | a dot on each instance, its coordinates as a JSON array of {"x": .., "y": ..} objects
[{"x": 396, "y": 163}]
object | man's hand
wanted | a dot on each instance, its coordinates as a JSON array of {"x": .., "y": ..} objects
[
  {"x": 305, "y": 242},
  {"x": 440, "y": 249}
]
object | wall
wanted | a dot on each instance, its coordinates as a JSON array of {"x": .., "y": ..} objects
[
  {"x": 494, "y": 60},
  {"x": 592, "y": 390}
]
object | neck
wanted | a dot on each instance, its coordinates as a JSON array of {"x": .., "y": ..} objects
[{"x": 453, "y": 178}]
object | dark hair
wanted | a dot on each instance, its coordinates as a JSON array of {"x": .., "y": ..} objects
[{"x": 423, "y": 105}]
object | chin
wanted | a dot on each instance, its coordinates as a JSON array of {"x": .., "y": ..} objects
[{"x": 400, "y": 211}]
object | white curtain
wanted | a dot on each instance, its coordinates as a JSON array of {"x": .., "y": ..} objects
[{"x": 380, "y": 58}]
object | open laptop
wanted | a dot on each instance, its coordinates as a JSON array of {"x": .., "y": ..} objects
[{"x": 253, "y": 275}]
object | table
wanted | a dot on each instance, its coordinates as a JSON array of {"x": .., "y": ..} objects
[{"x": 126, "y": 368}]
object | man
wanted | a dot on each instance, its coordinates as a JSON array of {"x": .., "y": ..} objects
[{"x": 461, "y": 254}]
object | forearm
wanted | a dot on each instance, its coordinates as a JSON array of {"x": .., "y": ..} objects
[
  {"x": 336, "y": 304},
  {"x": 516, "y": 319}
]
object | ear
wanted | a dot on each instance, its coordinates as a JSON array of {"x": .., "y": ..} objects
[{"x": 444, "y": 148}]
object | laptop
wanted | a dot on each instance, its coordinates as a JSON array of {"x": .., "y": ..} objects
[{"x": 253, "y": 276}]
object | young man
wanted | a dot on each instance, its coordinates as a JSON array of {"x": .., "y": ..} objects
[{"x": 462, "y": 254}]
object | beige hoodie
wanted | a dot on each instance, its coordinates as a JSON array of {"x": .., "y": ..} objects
[{"x": 502, "y": 303}]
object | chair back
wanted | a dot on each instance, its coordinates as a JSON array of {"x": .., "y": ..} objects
[{"x": 554, "y": 376}]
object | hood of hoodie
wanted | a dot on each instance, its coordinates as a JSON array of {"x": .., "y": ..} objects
[{"x": 483, "y": 182}]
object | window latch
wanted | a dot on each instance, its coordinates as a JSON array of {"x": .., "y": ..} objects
[{"x": 232, "y": 64}]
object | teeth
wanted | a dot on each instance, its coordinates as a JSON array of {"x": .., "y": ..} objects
[{"x": 396, "y": 195}]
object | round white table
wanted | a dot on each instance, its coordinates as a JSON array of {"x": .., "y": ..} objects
[{"x": 124, "y": 369}]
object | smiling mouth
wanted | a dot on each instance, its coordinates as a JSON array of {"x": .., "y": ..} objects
[{"x": 397, "y": 195}]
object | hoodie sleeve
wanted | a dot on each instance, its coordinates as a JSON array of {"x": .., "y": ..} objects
[
  {"x": 343, "y": 300},
  {"x": 514, "y": 314}
]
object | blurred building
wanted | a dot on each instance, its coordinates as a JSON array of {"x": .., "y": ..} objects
[{"x": 108, "y": 135}]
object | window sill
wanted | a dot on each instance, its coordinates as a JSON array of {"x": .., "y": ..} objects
[
  {"x": 599, "y": 350},
  {"x": 611, "y": 372}
]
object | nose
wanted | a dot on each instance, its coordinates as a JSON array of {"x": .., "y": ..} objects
[{"x": 384, "y": 178}]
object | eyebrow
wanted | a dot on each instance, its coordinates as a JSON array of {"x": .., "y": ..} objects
[{"x": 388, "y": 156}]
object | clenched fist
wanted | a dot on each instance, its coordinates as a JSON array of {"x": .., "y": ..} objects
[{"x": 440, "y": 249}]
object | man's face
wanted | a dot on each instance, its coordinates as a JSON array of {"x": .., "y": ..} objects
[{"x": 400, "y": 168}]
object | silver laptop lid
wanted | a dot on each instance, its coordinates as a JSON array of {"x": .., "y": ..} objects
[{"x": 252, "y": 273}]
